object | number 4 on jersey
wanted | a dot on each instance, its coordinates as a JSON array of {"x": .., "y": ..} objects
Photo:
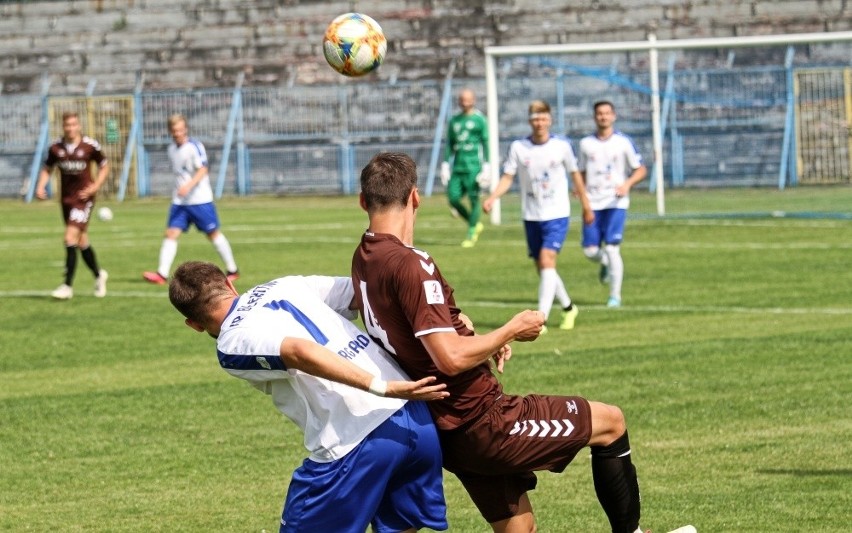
[{"x": 372, "y": 323}]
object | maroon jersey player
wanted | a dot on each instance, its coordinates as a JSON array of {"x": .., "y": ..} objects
[
  {"x": 73, "y": 154},
  {"x": 492, "y": 441}
]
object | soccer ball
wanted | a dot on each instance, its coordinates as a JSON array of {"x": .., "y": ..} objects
[
  {"x": 354, "y": 44},
  {"x": 105, "y": 214}
]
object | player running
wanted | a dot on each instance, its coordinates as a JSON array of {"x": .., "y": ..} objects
[
  {"x": 611, "y": 165},
  {"x": 467, "y": 149},
  {"x": 192, "y": 203},
  {"x": 74, "y": 154}
]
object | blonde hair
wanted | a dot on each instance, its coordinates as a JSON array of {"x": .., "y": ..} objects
[
  {"x": 539, "y": 106},
  {"x": 175, "y": 118}
]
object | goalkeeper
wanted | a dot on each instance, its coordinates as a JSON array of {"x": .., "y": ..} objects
[{"x": 467, "y": 149}]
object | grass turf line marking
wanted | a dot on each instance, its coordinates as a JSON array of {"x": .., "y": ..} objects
[{"x": 683, "y": 308}]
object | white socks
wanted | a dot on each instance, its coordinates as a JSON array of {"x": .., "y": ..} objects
[
  {"x": 168, "y": 251},
  {"x": 550, "y": 285},
  {"x": 224, "y": 248},
  {"x": 610, "y": 256},
  {"x": 616, "y": 269}
]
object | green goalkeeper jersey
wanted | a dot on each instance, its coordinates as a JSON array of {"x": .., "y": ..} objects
[{"x": 467, "y": 142}]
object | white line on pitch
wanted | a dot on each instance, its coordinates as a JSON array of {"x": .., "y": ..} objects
[
  {"x": 507, "y": 305},
  {"x": 111, "y": 294},
  {"x": 682, "y": 308}
]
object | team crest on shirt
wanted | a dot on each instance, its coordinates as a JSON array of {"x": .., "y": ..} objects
[
  {"x": 432, "y": 289},
  {"x": 571, "y": 405}
]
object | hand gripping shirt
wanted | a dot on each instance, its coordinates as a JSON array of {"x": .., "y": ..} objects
[
  {"x": 402, "y": 296},
  {"x": 543, "y": 171},
  {"x": 607, "y": 164},
  {"x": 334, "y": 417},
  {"x": 186, "y": 159}
]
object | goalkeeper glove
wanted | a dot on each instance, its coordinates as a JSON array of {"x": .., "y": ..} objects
[
  {"x": 445, "y": 173},
  {"x": 484, "y": 176}
]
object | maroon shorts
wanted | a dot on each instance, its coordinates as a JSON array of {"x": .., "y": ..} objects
[
  {"x": 77, "y": 212},
  {"x": 495, "y": 456}
]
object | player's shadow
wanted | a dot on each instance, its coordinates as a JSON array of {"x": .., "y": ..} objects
[{"x": 806, "y": 472}]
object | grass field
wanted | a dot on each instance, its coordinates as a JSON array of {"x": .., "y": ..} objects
[{"x": 732, "y": 360}]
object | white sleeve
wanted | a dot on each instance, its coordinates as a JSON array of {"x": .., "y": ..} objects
[
  {"x": 200, "y": 157},
  {"x": 570, "y": 159},
  {"x": 634, "y": 158},
  {"x": 581, "y": 158},
  {"x": 253, "y": 353},
  {"x": 336, "y": 292},
  {"x": 511, "y": 165}
]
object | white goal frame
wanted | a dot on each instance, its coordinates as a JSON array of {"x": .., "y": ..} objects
[{"x": 653, "y": 46}]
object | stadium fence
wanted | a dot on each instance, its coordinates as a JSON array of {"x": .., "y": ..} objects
[{"x": 765, "y": 117}]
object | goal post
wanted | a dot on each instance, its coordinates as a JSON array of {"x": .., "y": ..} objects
[{"x": 651, "y": 46}]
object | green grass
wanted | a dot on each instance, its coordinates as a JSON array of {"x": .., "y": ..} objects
[{"x": 732, "y": 360}]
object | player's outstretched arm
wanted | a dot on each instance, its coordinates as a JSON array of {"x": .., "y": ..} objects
[
  {"x": 453, "y": 354},
  {"x": 311, "y": 358}
]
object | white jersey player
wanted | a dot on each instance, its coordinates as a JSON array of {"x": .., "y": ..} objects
[
  {"x": 292, "y": 339},
  {"x": 610, "y": 165},
  {"x": 192, "y": 203},
  {"x": 543, "y": 163}
]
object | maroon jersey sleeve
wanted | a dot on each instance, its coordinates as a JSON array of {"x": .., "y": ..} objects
[
  {"x": 96, "y": 153},
  {"x": 52, "y": 158}
]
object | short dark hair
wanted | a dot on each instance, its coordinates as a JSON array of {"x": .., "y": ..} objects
[
  {"x": 195, "y": 287},
  {"x": 603, "y": 102},
  {"x": 387, "y": 181}
]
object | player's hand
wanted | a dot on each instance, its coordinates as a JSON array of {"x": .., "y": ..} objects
[
  {"x": 183, "y": 190},
  {"x": 484, "y": 176},
  {"x": 41, "y": 193},
  {"x": 622, "y": 190},
  {"x": 487, "y": 204},
  {"x": 468, "y": 323},
  {"x": 528, "y": 325},
  {"x": 501, "y": 356},
  {"x": 588, "y": 216},
  {"x": 444, "y": 173},
  {"x": 425, "y": 389},
  {"x": 87, "y": 192}
]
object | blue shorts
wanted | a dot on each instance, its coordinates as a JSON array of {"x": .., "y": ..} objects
[
  {"x": 548, "y": 234},
  {"x": 392, "y": 481},
  {"x": 203, "y": 216},
  {"x": 607, "y": 227}
]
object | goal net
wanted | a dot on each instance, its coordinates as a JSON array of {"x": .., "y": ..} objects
[{"x": 750, "y": 111}]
